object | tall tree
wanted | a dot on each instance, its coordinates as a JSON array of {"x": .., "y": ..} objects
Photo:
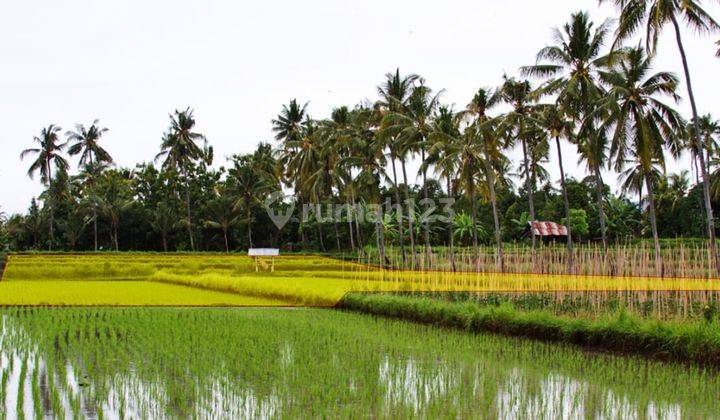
[
  {"x": 490, "y": 140},
  {"x": 411, "y": 128},
  {"x": 85, "y": 142},
  {"x": 394, "y": 94},
  {"x": 368, "y": 159},
  {"x": 641, "y": 124},
  {"x": 289, "y": 130},
  {"x": 114, "y": 198},
  {"x": 180, "y": 150},
  {"x": 572, "y": 64},
  {"x": 222, "y": 214},
  {"x": 445, "y": 132},
  {"x": 49, "y": 155},
  {"x": 709, "y": 143},
  {"x": 519, "y": 124},
  {"x": 557, "y": 125},
  {"x": 656, "y": 14},
  {"x": 251, "y": 178}
]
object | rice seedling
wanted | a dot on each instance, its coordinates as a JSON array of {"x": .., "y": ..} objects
[{"x": 169, "y": 363}]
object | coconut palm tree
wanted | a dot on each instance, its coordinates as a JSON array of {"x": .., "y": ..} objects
[
  {"x": 180, "y": 150},
  {"x": 709, "y": 143},
  {"x": 445, "y": 132},
  {"x": 289, "y": 130},
  {"x": 114, "y": 199},
  {"x": 411, "y": 128},
  {"x": 251, "y": 178},
  {"x": 640, "y": 123},
  {"x": 49, "y": 155},
  {"x": 572, "y": 66},
  {"x": 518, "y": 123},
  {"x": 85, "y": 142},
  {"x": 306, "y": 161},
  {"x": 288, "y": 124},
  {"x": 222, "y": 214},
  {"x": 632, "y": 177},
  {"x": 368, "y": 159},
  {"x": 162, "y": 220},
  {"x": 656, "y": 14},
  {"x": 465, "y": 155},
  {"x": 394, "y": 94},
  {"x": 555, "y": 122},
  {"x": 490, "y": 140}
]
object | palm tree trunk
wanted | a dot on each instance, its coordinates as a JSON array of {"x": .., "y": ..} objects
[
  {"x": 473, "y": 197},
  {"x": 115, "y": 229},
  {"x": 566, "y": 203},
  {"x": 411, "y": 213},
  {"x": 450, "y": 228},
  {"x": 51, "y": 211},
  {"x": 320, "y": 220},
  {"x": 599, "y": 185},
  {"x": 350, "y": 227},
  {"x": 249, "y": 227},
  {"x": 401, "y": 233},
  {"x": 529, "y": 188},
  {"x": 163, "y": 235},
  {"x": 225, "y": 236},
  {"x": 92, "y": 188},
  {"x": 95, "y": 227},
  {"x": 380, "y": 234},
  {"x": 426, "y": 222},
  {"x": 189, "y": 219},
  {"x": 653, "y": 225},
  {"x": 710, "y": 218},
  {"x": 357, "y": 224},
  {"x": 490, "y": 174},
  {"x": 337, "y": 236}
]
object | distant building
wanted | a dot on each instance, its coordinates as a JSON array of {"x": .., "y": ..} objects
[{"x": 547, "y": 229}]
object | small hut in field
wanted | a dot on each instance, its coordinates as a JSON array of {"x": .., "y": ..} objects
[
  {"x": 264, "y": 258},
  {"x": 548, "y": 231}
]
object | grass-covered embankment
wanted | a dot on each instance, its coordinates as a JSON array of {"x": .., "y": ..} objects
[{"x": 685, "y": 341}]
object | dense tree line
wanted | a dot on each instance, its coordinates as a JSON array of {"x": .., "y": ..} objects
[{"x": 587, "y": 91}]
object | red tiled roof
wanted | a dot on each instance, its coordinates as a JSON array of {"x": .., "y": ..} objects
[{"x": 548, "y": 229}]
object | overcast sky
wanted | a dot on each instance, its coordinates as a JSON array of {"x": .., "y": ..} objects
[{"x": 129, "y": 63}]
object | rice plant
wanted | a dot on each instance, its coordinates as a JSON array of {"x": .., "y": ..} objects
[{"x": 258, "y": 363}]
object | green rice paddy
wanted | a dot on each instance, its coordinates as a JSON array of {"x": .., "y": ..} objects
[{"x": 258, "y": 363}]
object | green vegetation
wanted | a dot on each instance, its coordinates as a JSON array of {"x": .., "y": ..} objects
[
  {"x": 698, "y": 342},
  {"x": 668, "y": 305},
  {"x": 317, "y": 363}
]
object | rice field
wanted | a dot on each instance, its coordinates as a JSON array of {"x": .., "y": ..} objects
[
  {"x": 309, "y": 280},
  {"x": 116, "y": 335},
  {"x": 260, "y": 363},
  {"x": 119, "y": 293}
]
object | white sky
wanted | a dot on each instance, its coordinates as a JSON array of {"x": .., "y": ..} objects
[{"x": 129, "y": 63}]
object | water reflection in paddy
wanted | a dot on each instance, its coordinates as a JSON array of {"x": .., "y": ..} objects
[{"x": 264, "y": 363}]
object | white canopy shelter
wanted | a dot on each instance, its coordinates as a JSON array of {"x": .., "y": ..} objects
[{"x": 259, "y": 254}]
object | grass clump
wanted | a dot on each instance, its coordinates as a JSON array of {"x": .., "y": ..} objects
[{"x": 686, "y": 341}]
